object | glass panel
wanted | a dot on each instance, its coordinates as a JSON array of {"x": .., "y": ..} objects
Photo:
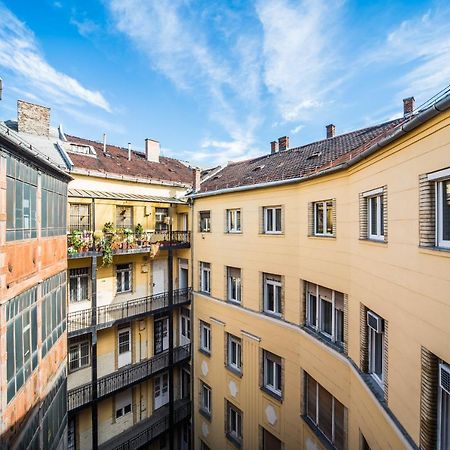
[
  {"x": 373, "y": 215},
  {"x": 10, "y": 351},
  {"x": 339, "y": 325},
  {"x": 312, "y": 310},
  {"x": 19, "y": 205},
  {"x": 326, "y": 313},
  {"x": 10, "y": 203},
  {"x": 269, "y": 218},
  {"x": 270, "y": 297},
  {"x": 378, "y": 369},
  {"x": 311, "y": 393},
  {"x": 325, "y": 412},
  {"x": 339, "y": 430},
  {"x": 319, "y": 217},
  {"x": 329, "y": 217},
  {"x": 445, "y": 420},
  {"x": 278, "y": 219},
  {"x": 446, "y": 210}
]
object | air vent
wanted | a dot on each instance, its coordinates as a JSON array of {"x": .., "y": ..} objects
[
  {"x": 314, "y": 155},
  {"x": 374, "y": 322},
  {"x": 258, "y": 168},
  {"x": 444, "y": 377}
]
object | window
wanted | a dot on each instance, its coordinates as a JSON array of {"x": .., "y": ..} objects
[
  {"x": 53, "y": 206},
  {"x": 79, "y": 284},
  {"x": 269, "y": 441},
  {"x": 205, "y": 221},
  {"x": 124, "y": 217},
  {"x": 21, "y": 195},
  {"x": 123, "y": 402},
  {"x": 234, "y": 424},
  {"x": 272, "y": 294},
  {"x": 205, "y": 277},
  {"x": 234, "y": 356},
  {"x": 375, "y": 217},
  {"x": 272, "y": 373},
  {"x": 444, "y": 407},
  {"x": 272, "y": 220},
  {"x": 53, "y": 309},
  {"x": 124, "y": 276},
  {"x": 79, "y": 355},
  {"x": 205, "y": 401},
  {"x": 325, "y": 312},
  {"x": 233, "y": 220},
  {"x": 443, "y": 213},
  {"x": 82, "y": 149},
  {"x": 160, "y": 219},
  {"x": 325, "y": 414},
  {"x": 80, "y": 217},
  {"x": 21, "y": 340},
  {"x": 375, "y": 326},
  {"x": 234, "y": 284},
  {"x": 205, "y": 337},
  {"x": 323, "y": 218}
]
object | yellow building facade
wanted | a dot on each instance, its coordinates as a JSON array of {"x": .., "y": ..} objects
[{"x": 321, "y": 304}]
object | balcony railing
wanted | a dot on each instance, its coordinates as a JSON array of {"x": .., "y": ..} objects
[
  {"x": 107, "y": 315},
  {"x": 145, "y": 431},
  {"x": 85, "y": 243},
  {"x": 125, "y": 377}
]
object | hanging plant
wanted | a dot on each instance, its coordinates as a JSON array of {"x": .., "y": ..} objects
[{"x": 108, "y": 228}]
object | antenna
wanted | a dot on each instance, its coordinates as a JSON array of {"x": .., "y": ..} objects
[
  {"x": 129, "y": 151},
  {"x": 104, "y": 143}
]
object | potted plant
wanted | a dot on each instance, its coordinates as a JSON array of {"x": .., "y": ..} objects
[
  {"x": 108, "y": 228},
  {"x": 75, "y": 242}
]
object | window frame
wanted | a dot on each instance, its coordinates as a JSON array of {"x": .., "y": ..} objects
[
  {"x": 76, "y": 274},
  {"x": 443, "y": 411},
  {"x": 76, "y": 215},
  {"x": 234, "y": 347},
  {"x": 205, "y": 223},
  {"x": 325, "y": 224},
  {"x": 78, "y": 346},
  {"x": 273, "y": 363},
  {"x": 373, "y": 351},
  {"x": 234, "y": 426},
  {"x": 205, "y": 331},
  {"x": 277, "y": 295},
  {"x": 237, "y": 288},
  {"x": 205, "y": 401},
  {"x": 234, "y": 220},
  {"x": 121, "y": 273},
  {"x": 379, "y": 207},
  {"x": 160, "y": 219},
  {"x": 439, "y": 188},
  {"x": 205, "y": 277},
  {"x": 272, "y": 211},
  {"x": 123, "y": 226}
]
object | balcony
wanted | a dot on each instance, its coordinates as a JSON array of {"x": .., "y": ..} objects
[
  {"x": 80, "y": 322},
  {"x": 81, "y": 244},
  {"x": 125, "y": 377},
  {"x": 145, "y": 431}
]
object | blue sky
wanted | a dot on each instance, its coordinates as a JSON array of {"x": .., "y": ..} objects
[{"x": 217, "y": 81}]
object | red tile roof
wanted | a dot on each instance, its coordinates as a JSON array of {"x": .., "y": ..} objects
[
  {"x": 116, "y": 162},
  {"x": 298, "y": 162}
]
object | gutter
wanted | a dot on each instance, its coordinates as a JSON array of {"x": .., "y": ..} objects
[{"x": 422, "y": 117}]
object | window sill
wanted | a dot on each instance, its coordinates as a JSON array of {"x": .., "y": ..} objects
[
  {"x": 205, "y": 293},
  {"x": 273, "y": 315},
  {"x": 205, "y": 352},
  {"x": 322, "y": 236},
  {"x": 374, "y": 386},
  {"x": 320, "y": 337},
  {"x": 234, "y": 302},
  {"x": 326, "y": 443},
  {"x": 272, "y": 233},
  {"x": 233, "y": 440},
  {"x": 234, "y": 371},
  {"x": 204, "y": 231},
  {"x": 205, "y": 414},
  {"x": 233, "y": 232},
  {"x": 437, "y": 251},
  {"x": 373, "y": 241},
  {"x": 273, "y": 394}
]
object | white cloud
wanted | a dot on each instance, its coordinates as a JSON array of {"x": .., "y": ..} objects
[
  {"x": 299, "y": 52},
  {"x": 297, "y": 129},
  {"x": 20, "y": 55},
  {"x": 85, "y": 27}
]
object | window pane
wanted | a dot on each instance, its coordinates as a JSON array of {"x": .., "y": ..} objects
[
  {"x": 445, "y": 420},
  {"x": 446, "y": 210},
  {"x": 329, "y": 217},
  {"x": 10, "y": 196},
  {"x": 339, "y": 325},
  {"x": 380, "y": 200},
  {"x": 269, "y": 219},
  {"x": 339, "y": 430},
  {"x": 312, "y": 310},
  {"x": 379, "y": 354},
  {"x": 311, "y": 392},
  {"x": 278, "y": 219},
  {"x": 373, "y": 215},
  {"x": 325, "y": 412},
  {"x": 319, "y": 217},
  {"x": 326, "y": 312}
]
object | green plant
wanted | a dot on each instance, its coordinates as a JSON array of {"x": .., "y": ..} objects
[
  {"x": 108, "y": 228},
  {"x": 107, "y": 251},
  {"x": 75, "y": 241},
  {"x": 139, "y": 230}
]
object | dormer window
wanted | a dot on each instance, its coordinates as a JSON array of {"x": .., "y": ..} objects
[{"x": 82, "y": 149}]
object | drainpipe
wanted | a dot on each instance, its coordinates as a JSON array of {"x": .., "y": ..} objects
[
  {"x": 170, "y": 304},
  {"x": 193, "y": 326},
  {"x": 94, "y": 409}
]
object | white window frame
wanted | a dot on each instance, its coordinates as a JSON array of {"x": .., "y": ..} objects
[
  {"x": 77, "y": 347},
  {"x": 234, "y": 425},
  {"x": 205, "y": 224},
  {"x": 234, "y": 348},
  {"x": 234, "y": 217},
  {"x": 205, "y": 398},
  {"x": 324, "y": 204},
  {"x": 205, "y": 337},
  {"x": 78, "y": 275},
  {"x": 271, "y": 211},
  {"x": 123, "y": 404},
  {"x": 120, "y": 273},
  {"x": 443, "y": 411},
  {"x": 160, "y": 219},
  {"x": 375, "y": 196},
  {"x": 372, "y": 351},
  {"x": 440, "y": 241},
  {"x": 237, "y": 282},
  {"x": 277, "y": 295},
  {"x": 205, "y": 277},
  {"x": 272, "y": 366},
  {"x": 316, "y": 322}
]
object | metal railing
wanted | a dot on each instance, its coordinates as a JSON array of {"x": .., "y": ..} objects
[
  {"x": 145, "y": 431},
  {"x": 81, "y": 242},
  {"x": 105, "y": 315},
  {"x": 125, "y": 377}
]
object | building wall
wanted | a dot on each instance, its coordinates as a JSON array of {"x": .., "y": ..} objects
[{"x": 408, "y": 286}]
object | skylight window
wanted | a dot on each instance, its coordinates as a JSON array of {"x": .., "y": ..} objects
[
  {"x": 314, "y": 155},
  {"x": 82, "y": 149}
]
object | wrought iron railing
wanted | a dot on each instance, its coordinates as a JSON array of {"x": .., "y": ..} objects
[
  {"x": 105, "y": 315},
  {"x": 125, "y": 376},
  {"x": 81, "y": 242}
]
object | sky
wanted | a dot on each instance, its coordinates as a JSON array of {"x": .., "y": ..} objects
[{"x": 216, "y": 81}]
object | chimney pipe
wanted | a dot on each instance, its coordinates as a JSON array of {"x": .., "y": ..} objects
[
  {"x": 274, "y": 147},
  {"x": 152, "y": 150},
  {"x": 104, "y": 143},
  {"x": 129, "y": 151},
  {"x": 197, "y": 179},
  {"x": 283, "y": 143},
  {"x": 331, "y": 130},
  {"x": 408, "y": 106}
]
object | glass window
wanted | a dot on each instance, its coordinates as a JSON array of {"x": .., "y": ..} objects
[
  {"x": 160, "y": 219},
  {"x": 79, "y": 284},
  {"x": 80, "y": 217},
  {"x": 53, "y": 206},
  {"x": 123, "y": 402},
  {"x": 234, "y": 284},
  {"x": 205, "y": 221},
  {"x": 272, "y": 294},
  {"x": 270, "y": 442},
  {"x": 124, "y": 217},
  {"x": 272, "y": 373},
  {"x": 444, "y": 407},
  {"x": 325, "y": 413},
  {"x": 443, "y": 213},
  {"x": 233, "y": 220},
  {"x": 234, "y": 359},
  {"x": 375, "y": 212},
  {"x": 124, "y": 274},
  {"x": 205, "y": 277},
  {"x": 323, "y": 218},
  {"x": 205, "y": 337},
  {"x": 79, "y": 355},
  {"x": 375, "y": 326},
  {"x": 205, "y": 391},
  {"x": 234, "y": 423},
  {"x": 272, "y": 219}
]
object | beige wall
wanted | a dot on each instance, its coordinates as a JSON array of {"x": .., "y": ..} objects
[{"x": 404, "y": 284}]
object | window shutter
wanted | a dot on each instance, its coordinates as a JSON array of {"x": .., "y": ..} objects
[
  {"x": 362, "y": 217},
  {"x": 364, "y": 339},
  {"x": 334, "y": 217},
  {"x": 386, "y": 361},
  {"x": 427, "y": 212},
  {"x": 385, "y": 212},
  {"x": 262, "y": 211},
  {"x": 310, "y": 219},
  {"x": 346, "y": 324}
]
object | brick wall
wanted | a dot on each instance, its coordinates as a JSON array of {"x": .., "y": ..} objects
[{"x": 32, "y": 118}]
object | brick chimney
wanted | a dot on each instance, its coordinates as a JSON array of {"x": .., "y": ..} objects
[
  {"x": 196, "y": 184},
  {"x": 283, "y": 143},
  {"x": 274, "y": 147},
  {"x": 331, "y": 130},
  {"x": 33, "y": 119},
  {"x": 408, "y": 106},
  {"x": 152, "y": 150}
]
